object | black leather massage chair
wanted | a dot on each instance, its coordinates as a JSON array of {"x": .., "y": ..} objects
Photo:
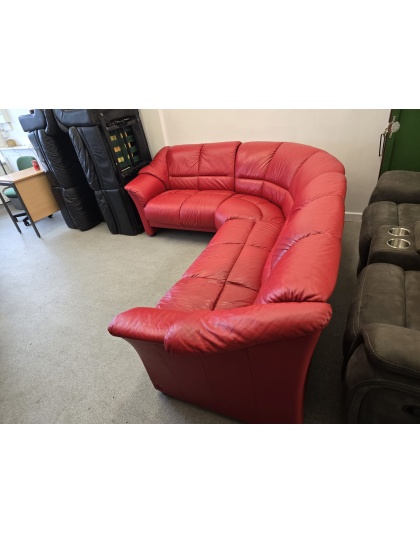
[
  {"x": 90, "y": 155},
  {"x": 111, "y": 147},
  {"x": 57, "y": 156}
]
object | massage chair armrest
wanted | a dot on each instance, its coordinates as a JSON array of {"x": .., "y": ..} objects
[
  {"x": 397, "y": 186},
  {"x": 393, "y": 348}
]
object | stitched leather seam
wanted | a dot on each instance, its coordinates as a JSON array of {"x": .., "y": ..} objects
[
  {"x": 298, "y": 208},
  {"x": 271, "y": 160},
  {"x": 289, "y": 247},
  {"x": 252, "y": 384},
  {"x": 262, "y": 247},
  {"x": 188, "y": 276},
  {"x": 155, "y": 176},
  {"x": 240, "y": 284},
  {"x": 234, "y": 167},
  {"x": 226, "y": 282},
  {"x": 221, "y": 291},
  {"x": 302, "y": 164},
  {"x": 199, "y": 165},
  {"x": 208, "y": 381},
  {"x": 180, "y": 207},
  {"x": 203, "y": 175}
]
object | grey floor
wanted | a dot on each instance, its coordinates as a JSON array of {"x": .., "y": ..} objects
[{"x": 58, "y": 364}]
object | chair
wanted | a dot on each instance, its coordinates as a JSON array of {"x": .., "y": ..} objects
[
  {"x": 381, "y": 346},
  {"x": 23, "y": 162},
  {"x": 394, "y": 202}
]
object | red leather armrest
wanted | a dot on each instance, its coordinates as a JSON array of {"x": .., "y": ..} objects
[
  {"x": 144, "y": 187},
  {"x": 224, "y": 330},
  {"x": 145, "y": 324}
]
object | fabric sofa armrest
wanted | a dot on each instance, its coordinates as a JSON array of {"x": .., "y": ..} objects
[
  {"x": 393, "y": 348},
  {"x": 397, "y": 186},
  {"x": 227, "y": 330}
]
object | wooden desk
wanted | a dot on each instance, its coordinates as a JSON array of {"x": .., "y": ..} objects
[{"x": 34, "y": 191}]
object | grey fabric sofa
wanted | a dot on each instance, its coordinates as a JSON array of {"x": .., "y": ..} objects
[{"x": 382, "y": 347}]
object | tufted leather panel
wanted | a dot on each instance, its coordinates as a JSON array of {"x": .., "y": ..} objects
[
  {"x": 280, "y": 164},
  {"x": 205, "y": 166},
  {"x": 302, "y": 275},
  {"x": 227, "y": 274},
  {"x": 249, "y": 207},
  {"x": 185, "y": 208}
]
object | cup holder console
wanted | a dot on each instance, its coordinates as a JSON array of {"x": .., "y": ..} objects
[
  {"x": 399, "y": 231},
  {"x": 398, "y": 243}
]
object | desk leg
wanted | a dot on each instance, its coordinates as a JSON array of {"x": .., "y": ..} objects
[
  {"x": 9, "y": 212},
  {"x": 27, "y": 212}
]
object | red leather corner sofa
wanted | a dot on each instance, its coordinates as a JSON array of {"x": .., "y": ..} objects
[{"x": 236, "y": 333}]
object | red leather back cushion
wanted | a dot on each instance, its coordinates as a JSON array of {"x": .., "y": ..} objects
[
  {"x": 202, "y": 166},
  {"x": 307, "y": 271},
  {"x": 314, "y": 216},
  {"x": 319, "y": 164},
  {"x": 158, "y": 166},
  {"x": 279, "y": 171},
  {"x": 324, "y": 215}
]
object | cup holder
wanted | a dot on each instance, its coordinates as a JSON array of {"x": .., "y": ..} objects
[
  {"x": 398, "y": 243},
  {"x": 398, "y": 231}
]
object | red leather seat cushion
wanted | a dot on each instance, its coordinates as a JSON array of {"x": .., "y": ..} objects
[{"x": 228, "y": 272}]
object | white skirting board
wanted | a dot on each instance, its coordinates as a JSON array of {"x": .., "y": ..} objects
[{"x": 353, "y": 216}]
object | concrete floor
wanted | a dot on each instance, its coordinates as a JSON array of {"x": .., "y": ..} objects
[{"x": 58, "y": 364}]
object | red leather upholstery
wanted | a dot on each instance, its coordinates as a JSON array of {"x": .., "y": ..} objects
[{"x": 236, "y": 333}]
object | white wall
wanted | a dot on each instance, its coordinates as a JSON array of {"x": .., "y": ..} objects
[
  {"x": 352, "y": 136},
  {"x": 17, "y": 134},
  {"x": 151, "y": 120}
]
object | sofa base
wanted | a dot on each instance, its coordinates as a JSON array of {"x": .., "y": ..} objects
[
  {"x": 260, "y": 384},
  {"x": 155, "y": 227}
]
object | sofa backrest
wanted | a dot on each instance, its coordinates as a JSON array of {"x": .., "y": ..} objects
[
  {"x": 304, "y": 261},
  {"x": 204, "y": 166},
  {"x": 280, "y": 171},
  {"x": 307, "y": 183},
  {"x": 275, "y": 171}
]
